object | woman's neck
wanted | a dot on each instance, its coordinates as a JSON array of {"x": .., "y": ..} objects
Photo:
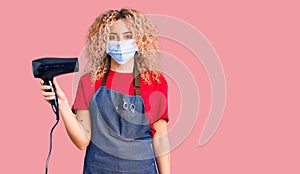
[{"x": 125, "y": 68}]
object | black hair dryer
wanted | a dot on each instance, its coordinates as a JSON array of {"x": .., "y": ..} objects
[{"x": 49, "y": 67}]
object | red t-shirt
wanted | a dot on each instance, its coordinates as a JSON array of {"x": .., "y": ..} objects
[{"x": 155, "y": 96}]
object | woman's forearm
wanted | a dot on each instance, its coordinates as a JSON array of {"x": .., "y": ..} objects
[
  {"x": 76, "y": 131},
  {"x": 163, "y": 164},
  {"x": 161, "y": 147},
  {"x": 162, "y": 152}
]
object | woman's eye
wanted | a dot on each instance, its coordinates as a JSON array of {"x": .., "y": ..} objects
[
  {"x": 112, "y": 37},
  {"x": 128, "y": 37}
]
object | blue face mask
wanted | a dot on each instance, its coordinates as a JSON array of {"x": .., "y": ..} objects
[{"x": 121, "y": 51}]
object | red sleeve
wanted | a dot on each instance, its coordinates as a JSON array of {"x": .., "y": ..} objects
[
  {"x": 163, "y": 100},
  {"x": 83, "y": 94},
  {"x": 156, "y": 100}
]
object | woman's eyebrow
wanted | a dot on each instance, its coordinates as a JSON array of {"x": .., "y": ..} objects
[{"x": 128, "y": 32}]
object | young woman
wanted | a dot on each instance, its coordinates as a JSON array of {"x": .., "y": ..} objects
[{"x": 120, "y": 112}]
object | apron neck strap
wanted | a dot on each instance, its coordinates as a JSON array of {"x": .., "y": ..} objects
[
  {"x": 137, "y": 84},
  {"x": 136, "y": 76}
]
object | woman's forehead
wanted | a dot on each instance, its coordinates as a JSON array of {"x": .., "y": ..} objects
[{"x": 119, "y": 27}]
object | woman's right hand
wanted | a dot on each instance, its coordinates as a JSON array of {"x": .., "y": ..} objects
[
  {"x": 51, "y": 95},
  {"x": 78, "y": 126}
]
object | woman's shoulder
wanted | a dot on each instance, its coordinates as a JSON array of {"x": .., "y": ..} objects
[
  {"x": 86, "y": 79},
  {"x": 157, "y": 79}
]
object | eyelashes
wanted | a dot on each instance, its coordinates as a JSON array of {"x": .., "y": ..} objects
[{"x": 115, "y": 37}]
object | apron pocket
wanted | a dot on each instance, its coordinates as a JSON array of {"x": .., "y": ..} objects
[
  {"x": 137, "y": 167},
  {"x": 92, "y": 168}
]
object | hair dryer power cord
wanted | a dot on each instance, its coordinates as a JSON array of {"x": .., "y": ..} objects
[{"x": 56, "y": 111}]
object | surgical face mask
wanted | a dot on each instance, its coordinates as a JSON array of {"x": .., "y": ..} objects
[{"x": 121, "y": 51}]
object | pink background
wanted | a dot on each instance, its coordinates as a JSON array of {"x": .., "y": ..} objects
[{"x": 257, "y": 43}]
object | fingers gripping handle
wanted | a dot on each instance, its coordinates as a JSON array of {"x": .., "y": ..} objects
[
  {"x": 52, "y": 89},
  {"x": 54, "y": 102}
]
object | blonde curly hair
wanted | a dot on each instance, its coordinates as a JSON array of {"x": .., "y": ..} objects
[{"x": 146, "y": 59}]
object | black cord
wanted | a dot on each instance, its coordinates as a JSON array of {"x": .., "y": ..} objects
[
  {"x": 48, "y": 158},
  {"x": 56, "y": 111}
]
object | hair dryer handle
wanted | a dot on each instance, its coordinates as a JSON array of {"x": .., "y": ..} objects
[{"x": 54, "y": 102}]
